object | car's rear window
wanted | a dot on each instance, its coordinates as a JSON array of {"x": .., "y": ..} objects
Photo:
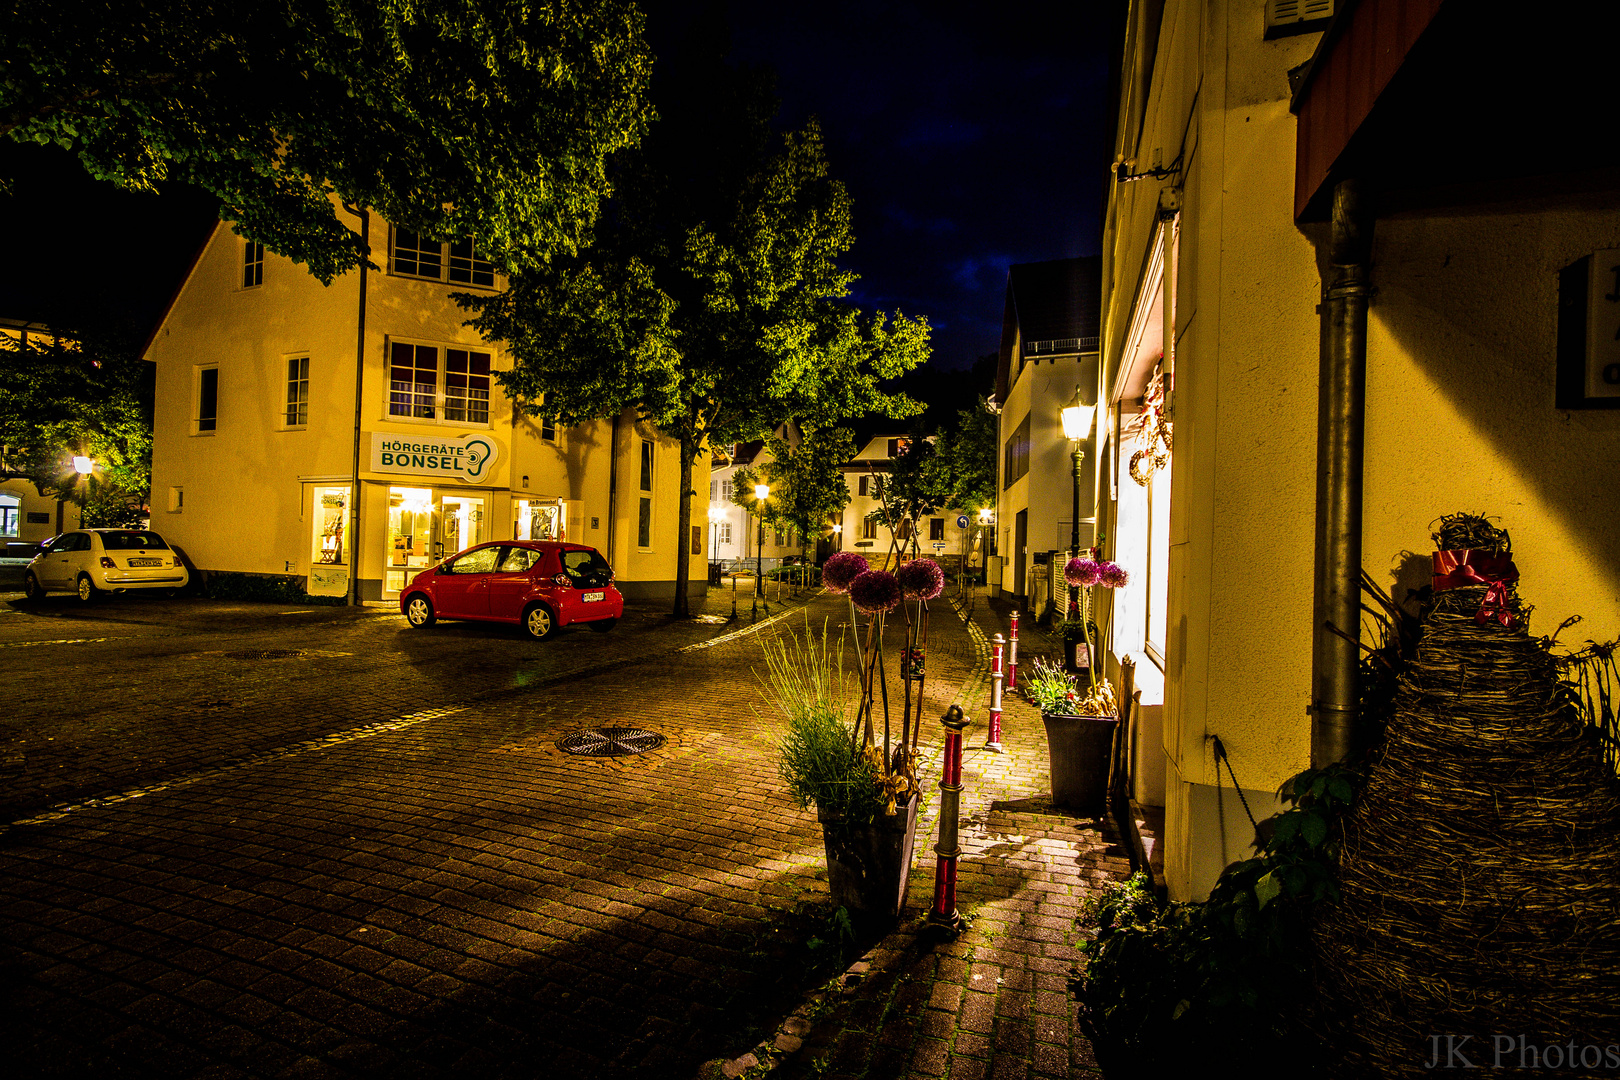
[
  {"x": 586, "y": 567},
  {"x": 133, "y": 540}
]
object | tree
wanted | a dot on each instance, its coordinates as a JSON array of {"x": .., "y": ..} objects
[
  {"x": 806, "y": 481},
  {"x": 969, "y": 455},
  {"x": 710, "y": 299},
  {"x": 915, "y": 486},
  {"x": 453, "y": 117},
  {"x": 60, "y": 399}
]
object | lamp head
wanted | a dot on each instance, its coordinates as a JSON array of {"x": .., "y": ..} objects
[
  {"x": 1078, "y": 418},
  {"x": 761, "y": 491},
  {"x": 83, "y": 465}
]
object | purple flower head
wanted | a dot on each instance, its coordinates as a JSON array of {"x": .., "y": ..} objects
[
  {"x": 1111, "y": 575},
  {"x": 921, "y": 579},
  {"x": 875, "y": 591},
  {"x": 841, "y": 569},
  {"x": 1082, "y": 572}
]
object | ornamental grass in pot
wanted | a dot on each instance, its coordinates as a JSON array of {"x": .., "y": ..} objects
[{"x": 868, "y": 815}]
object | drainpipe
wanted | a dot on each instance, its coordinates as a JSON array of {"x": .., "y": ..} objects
[
  {"x": 613, "y": 484},
  {"x": 359, "y": 389},
  {"x": 1341, "y": 408}
]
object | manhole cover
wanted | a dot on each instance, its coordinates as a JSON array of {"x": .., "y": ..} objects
[
  {"x": 610, "y": 742},
  {"x": 263, "y": 654}
]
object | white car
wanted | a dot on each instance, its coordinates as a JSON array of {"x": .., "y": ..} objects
[{"x": 93, "y": 561}]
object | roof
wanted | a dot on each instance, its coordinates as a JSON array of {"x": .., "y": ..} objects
[{"x": 1057, "y": 302}]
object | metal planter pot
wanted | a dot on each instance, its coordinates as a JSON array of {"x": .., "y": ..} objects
[
  {"x": 1080, "y": 748},
  {"x": 868, "y": 867}
]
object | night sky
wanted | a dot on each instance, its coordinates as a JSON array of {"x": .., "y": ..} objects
[{"x": 971, "y": 136}]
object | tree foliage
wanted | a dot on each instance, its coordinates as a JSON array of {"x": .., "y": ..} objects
[
  {"x": 710, "y": 299},
  {"x": 806, "y": 481},
  {"x": 64, "y": 398},
  {"x": 969, "y": 456},
  {"x": 453, "y": 117}
]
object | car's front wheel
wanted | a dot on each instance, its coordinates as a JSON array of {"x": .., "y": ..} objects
[
  {"x": 87, "y": 589},
  {"x": 602, "y": 626},
  {"x": 31, "y": 589},
  {"x": 539, "y": 622},
  {"x": 419, "y": 611}
]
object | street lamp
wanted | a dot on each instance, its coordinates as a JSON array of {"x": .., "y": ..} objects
[
  {"x": 761, "y": 493},
  {"x": 83, "y": 465},
  {"x": 716, "y": 516},
  {"x": 1078, "y": 419}
]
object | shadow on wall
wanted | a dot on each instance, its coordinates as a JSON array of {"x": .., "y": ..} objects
[{"x": 1471, "y": 300}]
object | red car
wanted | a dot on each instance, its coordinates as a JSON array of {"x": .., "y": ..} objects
[{"x": 539, "y": 584}]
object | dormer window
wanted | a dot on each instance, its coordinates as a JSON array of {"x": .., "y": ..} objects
[{"x": 457, "y": 261}]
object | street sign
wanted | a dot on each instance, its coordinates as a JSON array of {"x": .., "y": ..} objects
[
  {"x": 939, "y": 545},
  {"x": 961, "y": 521}
]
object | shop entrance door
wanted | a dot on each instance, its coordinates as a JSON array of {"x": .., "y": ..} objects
[{"x": 425, "y": 526}]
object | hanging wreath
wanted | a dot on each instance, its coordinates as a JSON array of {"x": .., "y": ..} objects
[{"x": 1152, "y": 431}]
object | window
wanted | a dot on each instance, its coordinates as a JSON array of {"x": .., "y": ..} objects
[
  {"x": 869, "y": 529},
  {"x": 714, "y": 486},
  {"x": 725, "y": 532},
  {"x": 517, "y": 560},
  {"x": 252, "y": 264},
  {"x": 646, "y": 465},
  {"x": 902, "y": 531},
  {"x": 177, "y": 500},
  {"x": 866, "y": 485},
  {"x": 297, "y": 414},
  {"x": 936, "y": 528},
  {"x": 1158, "y": 561},
  {"x": 414, "y": 378},
  {"x": 207, "y": 399},
  {"x": 586, "y": 568},
  {"x": 548, "y": 429},
  {"x": 644, "y": 523},
  {"x": 8, "y": 515},
  {"x": 457, "y": 262},
  {"x": 481, "y": 561},
  {"x": 781, "y": 538},
  {"x": 725, "y": 489},
  {"x": 1284, "y": 17},
  {"x": 1015, "y": 462}
]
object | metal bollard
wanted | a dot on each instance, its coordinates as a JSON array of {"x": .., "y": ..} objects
[
  {"x": 944, "y": 916},
  {"x": 996, "y": 675},
  {"x": 1012, "y": 655}
]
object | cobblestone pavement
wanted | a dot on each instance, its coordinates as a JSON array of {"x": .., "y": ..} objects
[
  {"x": 994, "y": 1002},
  {"x": 370, "y": 858}
]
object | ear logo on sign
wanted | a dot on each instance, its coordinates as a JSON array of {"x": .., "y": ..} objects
[{"x": 479, "y": 454}]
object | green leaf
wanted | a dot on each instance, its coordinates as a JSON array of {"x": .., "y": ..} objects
[
  {"x": 1314, "y": 829},
  {"x": 1267, "y": 889}
]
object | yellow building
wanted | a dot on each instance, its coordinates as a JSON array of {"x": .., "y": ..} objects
[
  {"x": 273, "y": 391},
  {"x": 946, "y": 535},
  {"x": 1235, "y": 135}
]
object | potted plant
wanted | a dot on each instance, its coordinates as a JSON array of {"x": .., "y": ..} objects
[
  {"x": 828, "y": 759},
  {"x": 1075, "y": 631},
  {"x": 1080, "y": 713}
]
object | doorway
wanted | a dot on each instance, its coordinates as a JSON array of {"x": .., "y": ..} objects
[
  {"x": 1020, "y": 553},
  {"x": 425, "y": 526}
]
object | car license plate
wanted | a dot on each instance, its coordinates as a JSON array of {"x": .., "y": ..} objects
[
  {"x": 146, "y": 562},
  {"x": 590, "y": 596}
]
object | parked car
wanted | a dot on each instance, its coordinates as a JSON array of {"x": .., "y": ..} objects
[
  {"x": 538, "y": 584},
  {"x": 89, "y": 562}
]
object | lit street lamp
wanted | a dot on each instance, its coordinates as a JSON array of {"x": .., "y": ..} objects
[
  {"x": 1077, "y": 421},
  {"x": 85, "y": 467},
  {"x": 761, "y": 492}
]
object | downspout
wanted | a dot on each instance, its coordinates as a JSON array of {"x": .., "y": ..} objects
[
  {"x": 613, "y": 487},
  {"x": 1341, "y": 409},
  {"x": 359, "y": 390}
]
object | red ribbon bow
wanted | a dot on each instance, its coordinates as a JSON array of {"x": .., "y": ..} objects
[{"x": 1472, "y": 566}]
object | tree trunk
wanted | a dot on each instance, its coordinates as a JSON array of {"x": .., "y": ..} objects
[{"x": 683, "y": 553}]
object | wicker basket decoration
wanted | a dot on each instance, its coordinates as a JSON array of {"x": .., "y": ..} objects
[{"x": 1480, "y": 870}]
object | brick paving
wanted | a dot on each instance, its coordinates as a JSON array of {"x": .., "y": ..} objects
[{"x": 370, "y": 859}]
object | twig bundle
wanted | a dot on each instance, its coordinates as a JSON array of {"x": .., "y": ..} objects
[{"x": 1480, "y": 872}]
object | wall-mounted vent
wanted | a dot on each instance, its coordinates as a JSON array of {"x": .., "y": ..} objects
[{"x": 1285, "y": 17}]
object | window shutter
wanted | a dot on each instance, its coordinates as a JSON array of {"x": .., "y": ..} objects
[{"x": 1296, "y": 16}]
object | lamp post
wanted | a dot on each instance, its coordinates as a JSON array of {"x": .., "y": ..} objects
[
  {"x": 85, "y": 467},
  {"x": 1077, "y": 421},
  {"x": 761, "y": 493}
]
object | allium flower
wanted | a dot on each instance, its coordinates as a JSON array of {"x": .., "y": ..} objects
[
  {"x": 1111, "y": 575},
  {"x": 921, "y": 579},
  {"x": 1082, "y": 571},
  {"x": 841, "y": 569},
  {"x": 875, "y": 591}
]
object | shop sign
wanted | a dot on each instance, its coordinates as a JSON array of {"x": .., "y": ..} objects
[{"x": 469, "y": 458}]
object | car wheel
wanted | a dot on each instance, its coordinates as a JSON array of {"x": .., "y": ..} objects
[
  {"x": 87, "y": 589},
  {"x": 419, "y": 612},
  {"x": 31, "y": 589},
  {"x": 602, "y": 626},
  {"x": 539, "y": 622}
]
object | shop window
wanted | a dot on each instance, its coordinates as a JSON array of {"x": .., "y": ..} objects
[
  {"x": 252, "y": 264},
  {"x": 1158, "y": 563},
  {"x": 297, "y": 414},
  {"x": 207, "y": 398},
  {"x": 535, "y": 520},
  {"x": 457, "y": 262},
  {"x": 936, "y": 528},
  {"x": 8, "y": 515}
]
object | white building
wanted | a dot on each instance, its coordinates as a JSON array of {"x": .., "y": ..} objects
[{"x": 949, "y": 536}]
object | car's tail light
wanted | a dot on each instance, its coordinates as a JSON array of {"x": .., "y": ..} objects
[
  {"x": 613, "y": 575},
  {"x": 561, "y": 579},
  {"x": 108, "y": 564}
]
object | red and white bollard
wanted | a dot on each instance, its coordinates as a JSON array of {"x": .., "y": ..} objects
[
  {"x": 996, "y": 675},
  {"x": 944, "y": 916},
  {"x": 1012, "y": 655}
]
